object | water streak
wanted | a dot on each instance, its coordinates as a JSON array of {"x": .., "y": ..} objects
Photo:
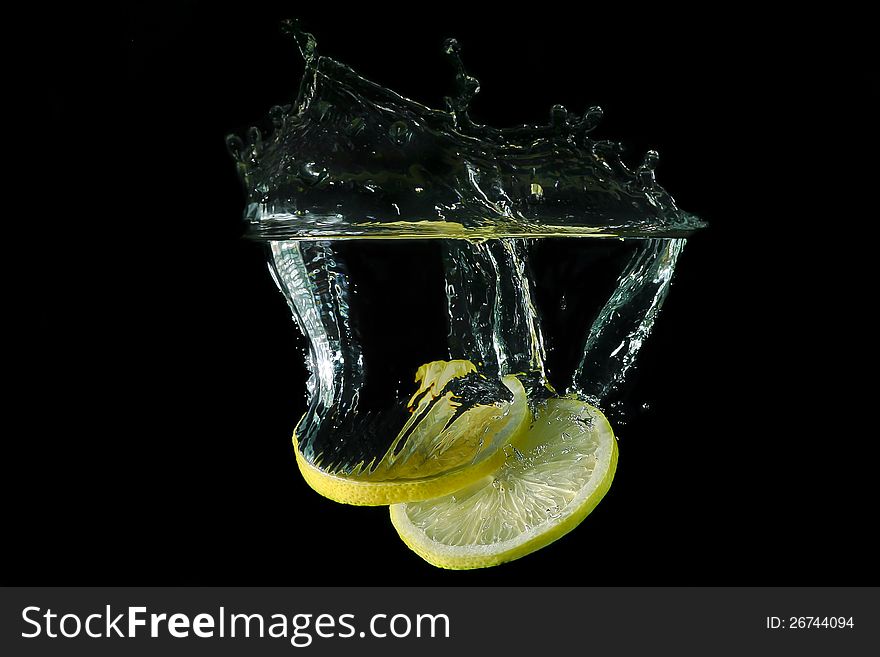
[
  {"x": 492, "y": 315},
  {"x": 315, "y": 283},
  {"x": 625, "y": 321}
]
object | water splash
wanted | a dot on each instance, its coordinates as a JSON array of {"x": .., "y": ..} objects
[{"x": 350, "y": 158}]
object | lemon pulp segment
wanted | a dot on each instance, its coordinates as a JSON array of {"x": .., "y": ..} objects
[{"x": 552, "y": 477}]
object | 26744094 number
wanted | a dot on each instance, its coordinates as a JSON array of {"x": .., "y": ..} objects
[{"x": 809, "y": 622}]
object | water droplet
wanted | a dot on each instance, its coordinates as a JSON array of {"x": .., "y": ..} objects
[
  {"x": 645, "y": 171},
  {"x": 558, "y": 116},
  {"x": 466, "y": 86},
  {"x": 311, "y": 173},
  {"x": 355, "y": 126},
  {"x": 590, "y": 119},
  {"x": 451, "y": 47},
  {"x": 650, "y": 160},
  {"x": 307, "y": 44},
  {"x": 399, "y": 132},
  {"x": 255, "y": 139},
  {"x": 235, "y": 146},
  {"x": 276, "y": 115}
]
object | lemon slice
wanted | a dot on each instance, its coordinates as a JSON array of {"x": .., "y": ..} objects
[
  {"x": 553, "y": 476},
  {"x": 444, "y": 445}
]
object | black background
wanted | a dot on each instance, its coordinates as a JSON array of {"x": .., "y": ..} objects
[{"x": 166, "y": 379}]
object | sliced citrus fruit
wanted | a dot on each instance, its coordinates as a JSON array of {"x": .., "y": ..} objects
[
  {"x": 457, "y": 424},
  {"x": 552, "y": 478}
]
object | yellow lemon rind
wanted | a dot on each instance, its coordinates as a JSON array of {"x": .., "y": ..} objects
[
  {"x": 484, "y": 556},
  {"x": 346, "y": 490},
  {"x": 349, "y": 490}
]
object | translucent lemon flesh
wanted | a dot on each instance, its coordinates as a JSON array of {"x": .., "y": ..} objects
[
  {"x": 439, "y": 449},
  {"x": 552, "y": 477}
]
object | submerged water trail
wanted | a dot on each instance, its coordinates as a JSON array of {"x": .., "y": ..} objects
[
  {"x": 492, "y": 321},
  {"x": 315, "y": 283},
  {"x": 471, "y": 296},
  {"x": 518, "y": 336},
  {"x": 492, "y": 316},
  {"x": 620, "y": 329}
]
